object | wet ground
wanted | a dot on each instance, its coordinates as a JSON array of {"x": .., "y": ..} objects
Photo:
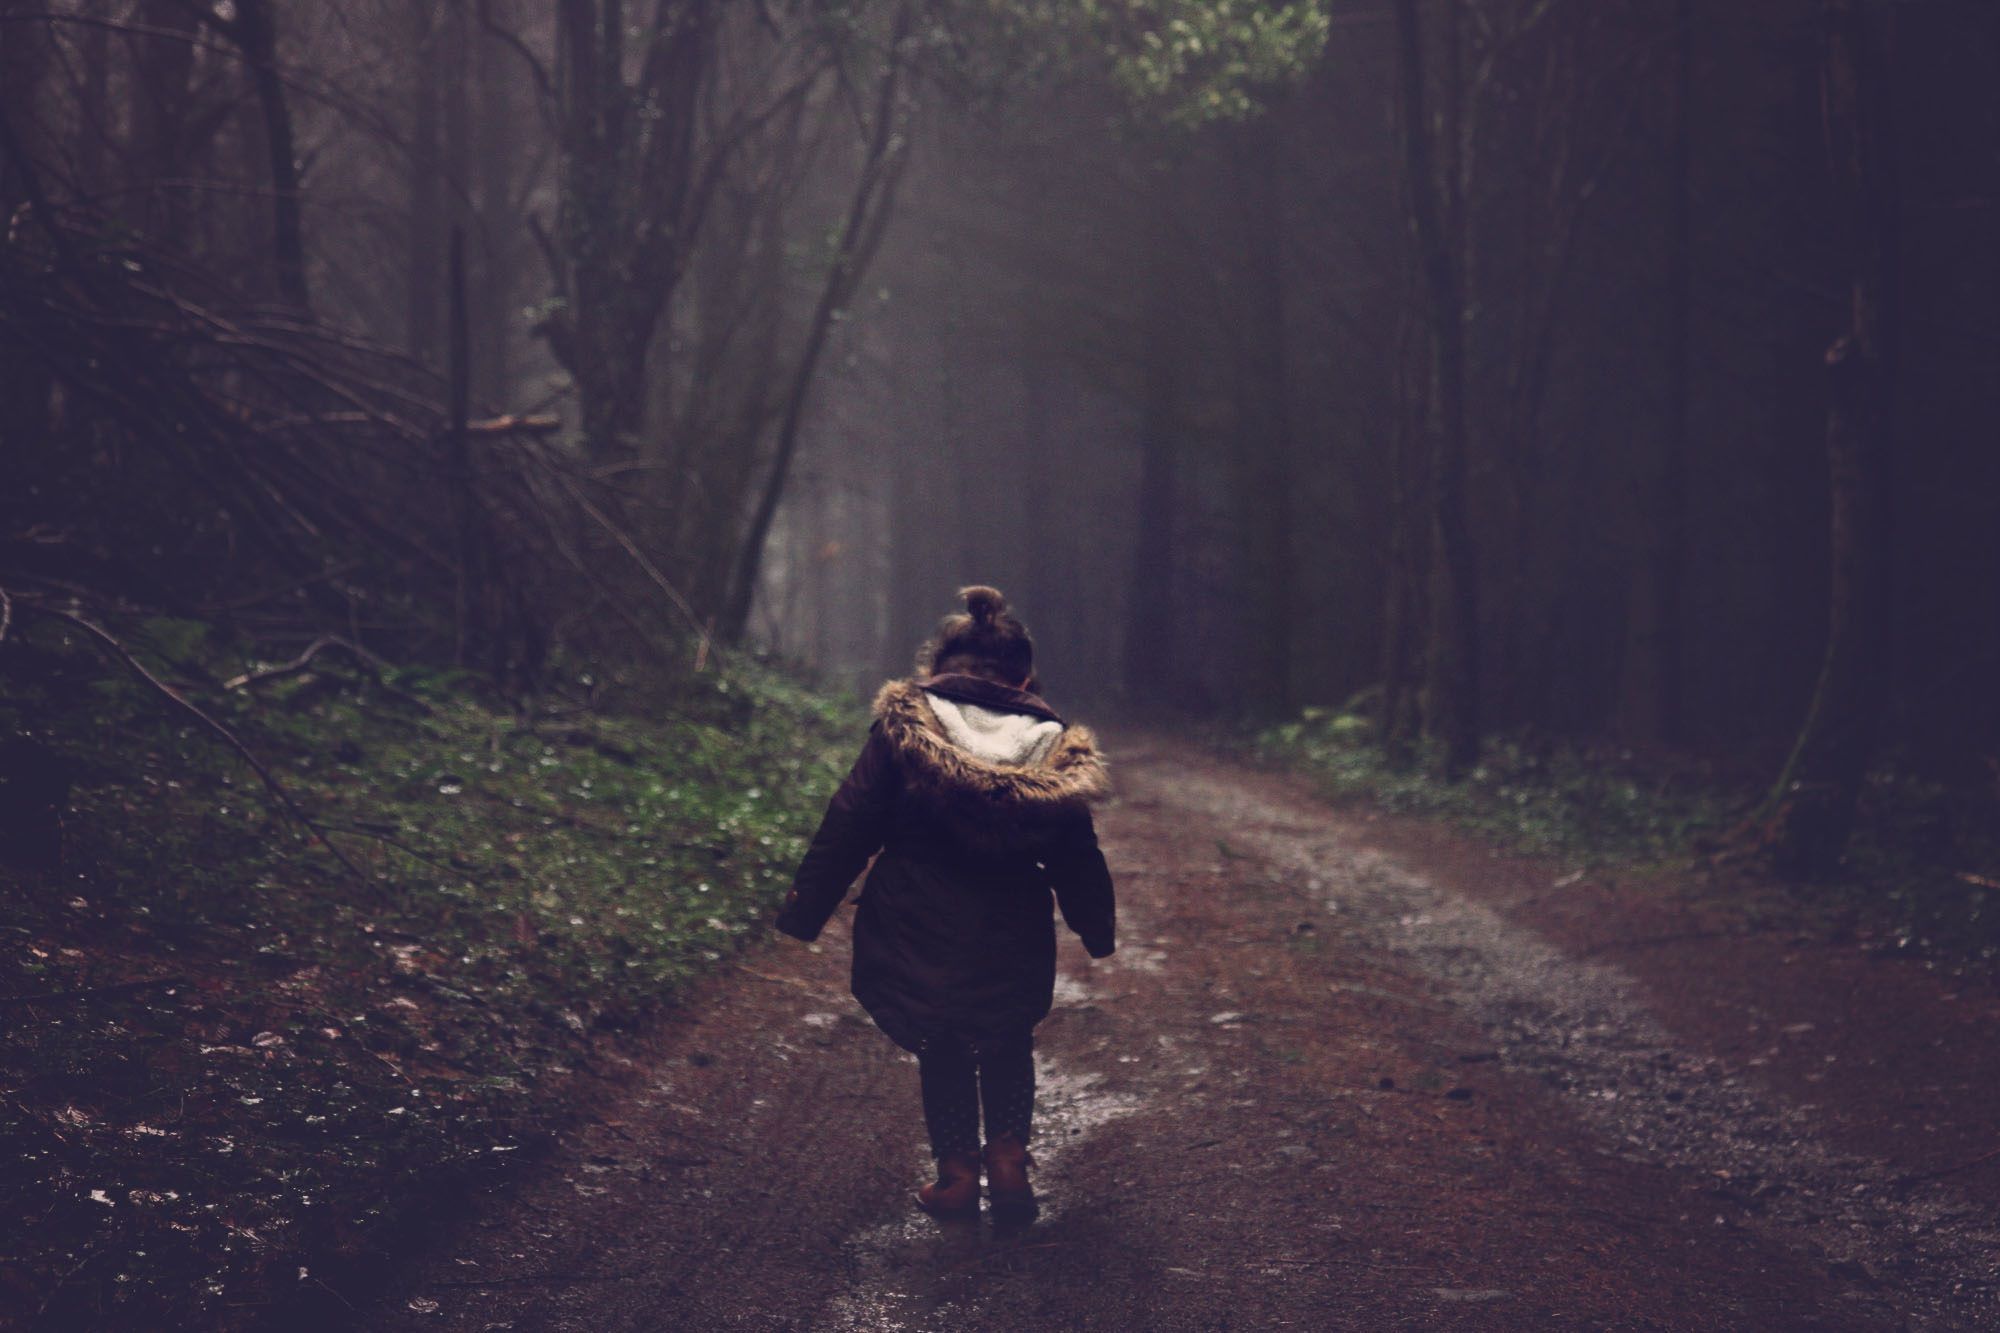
[{"x": 1343, "y": 1072}]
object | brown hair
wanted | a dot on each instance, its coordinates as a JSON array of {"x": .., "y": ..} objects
[{"x": 985, "y": 639}]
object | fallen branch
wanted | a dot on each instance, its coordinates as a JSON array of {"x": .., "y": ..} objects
[
  {"x": 625, "y": 543},
  {"x": 363, "y": 831},
  {"x": 533, "y": 424},
  {"x": 304, "y": 660},
  {"x": 374, "y": 665},
  {"x": 111, "y": 647}
]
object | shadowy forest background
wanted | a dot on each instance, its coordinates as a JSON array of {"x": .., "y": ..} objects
[
  {"x": 1610, "y": 370},
  {"x": 424, "y": 424},
  {"x": 1606, "y": 370}
]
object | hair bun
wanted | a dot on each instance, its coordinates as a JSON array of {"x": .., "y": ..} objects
[{"x": 983, "y": 602}]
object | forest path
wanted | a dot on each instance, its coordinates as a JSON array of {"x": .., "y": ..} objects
[{"x": 1342, "y": 1073}]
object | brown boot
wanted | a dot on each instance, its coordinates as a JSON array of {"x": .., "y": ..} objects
[
  {"x": 1007, "y": 1188},
  {"x": 956, "y": 1190}
]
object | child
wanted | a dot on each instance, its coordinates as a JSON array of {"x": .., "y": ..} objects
[{"x": 975, "y": 793}]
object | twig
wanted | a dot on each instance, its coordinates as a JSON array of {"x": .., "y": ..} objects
[
  {"x": 117, "y": 652},
  {"x": 530, "y": 424},
  {"x": 617, "y": 534},
  {"x": 363, "y": 831},
  {"x": 296, "y": 665},
  {"x": 374, "y": 665}
]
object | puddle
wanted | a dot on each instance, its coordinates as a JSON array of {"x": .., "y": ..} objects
[
  {"x": 913, "y": 1274},
  {"x": 1142, "y": 958},
  {"x": 1070, "y": 991}
]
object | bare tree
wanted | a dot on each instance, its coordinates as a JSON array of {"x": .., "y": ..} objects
[
  {"x": 860, "y": 235},
  {"x": 637, "y": 177}
]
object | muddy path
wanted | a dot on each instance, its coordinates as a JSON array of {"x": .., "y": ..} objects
[{"x": 1341, "y": 1073}]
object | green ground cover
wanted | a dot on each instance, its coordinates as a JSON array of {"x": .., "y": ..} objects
[
  {"x": 1921, "y": 877},
  {"x": 235, "y": 1073}
]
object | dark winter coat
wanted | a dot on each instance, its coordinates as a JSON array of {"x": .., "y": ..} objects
[{"x": 954, "y": 934}]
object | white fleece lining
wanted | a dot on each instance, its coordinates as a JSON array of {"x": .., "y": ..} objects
[{"x": 993, "y": 735}]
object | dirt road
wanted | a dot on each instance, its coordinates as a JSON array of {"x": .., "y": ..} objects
[{"x": 1341, "y": 1073}]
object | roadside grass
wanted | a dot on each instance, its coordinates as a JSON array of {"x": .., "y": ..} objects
[
  {"x": 1552, "y": 801},
  {"x": 1922, "y": 876},
  {"x": 235, "y": 1075}
]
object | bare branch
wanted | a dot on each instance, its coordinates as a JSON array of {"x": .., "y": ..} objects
[{"x": 112, "y": 648}]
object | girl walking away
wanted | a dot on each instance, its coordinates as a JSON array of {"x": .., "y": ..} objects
[{"x": 976, "y": 794}]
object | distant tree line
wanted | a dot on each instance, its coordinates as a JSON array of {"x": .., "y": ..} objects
[{"x": 1612, "y": 371}]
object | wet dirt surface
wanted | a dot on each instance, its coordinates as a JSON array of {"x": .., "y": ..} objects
[{"x": 1341, "y": 1073}]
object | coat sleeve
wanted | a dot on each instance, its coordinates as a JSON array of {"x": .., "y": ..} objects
[
  {"x": 1083, "y": 888},
  {"x": 851, "y": 831}
]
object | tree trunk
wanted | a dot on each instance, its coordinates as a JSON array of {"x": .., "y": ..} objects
[
  {"x": 256, "y": 33},
  {"x": 163, "y": 63},
  {"x": 498, "y": 231},
  {"x": 1812, "y": 807},
  {"x": 1452, "y": 661},
  {"x": 861, "y": 233},
  {"x": 1265, "y": 446},
  {"x": 1403, "y": 602},
  {"x": 25, "y": 381},
  {"x": 1151, "y": 668},
  {"x": 91, "y": 138},
  {"x": 1655, "y": 644},
  {"x": 425, "y": 186}
]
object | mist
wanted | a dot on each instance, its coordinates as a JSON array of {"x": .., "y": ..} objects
[{"x": 1571, "y": 421}]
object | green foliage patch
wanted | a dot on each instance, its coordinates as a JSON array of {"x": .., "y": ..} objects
[
  {"x": 1553, "y": 800},
  {"x": 234, "y": 1071},
  {"x": 1922, "y": 873}
]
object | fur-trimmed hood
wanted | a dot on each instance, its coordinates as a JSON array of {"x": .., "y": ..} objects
[{"x": 988, "y": 804}]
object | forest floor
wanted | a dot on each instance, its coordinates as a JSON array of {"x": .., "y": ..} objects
[{"x": 1347, "y": 1069}]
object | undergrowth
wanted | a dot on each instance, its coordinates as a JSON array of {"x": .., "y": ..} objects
[
  {"x": 235, "y": 1074},
  {"x": 1922, "y": 869},
  {"x": 1546, "y": 799}
]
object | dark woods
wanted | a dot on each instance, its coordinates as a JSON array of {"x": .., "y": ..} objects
[
  {"x": 466, "y": 332},
  {"x": 1607, "y": 370},
  {"x": 1617, "y": 373}
]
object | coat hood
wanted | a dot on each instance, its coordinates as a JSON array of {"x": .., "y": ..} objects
[{"x": 988, "y": 796}]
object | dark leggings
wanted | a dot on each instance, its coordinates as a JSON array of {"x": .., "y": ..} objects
[{"x": 958, "y": 1077}]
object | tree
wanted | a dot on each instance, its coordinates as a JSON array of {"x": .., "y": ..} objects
[
  {"x": 253, "y": 27},
  {"x": 1266, "y": 468},
  {"x": 1452, "y": 661},
  {"x": 637, "y": 178},
  {"x": 1811, "y": 809},
  {"x": 1657, "y": 640}
]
